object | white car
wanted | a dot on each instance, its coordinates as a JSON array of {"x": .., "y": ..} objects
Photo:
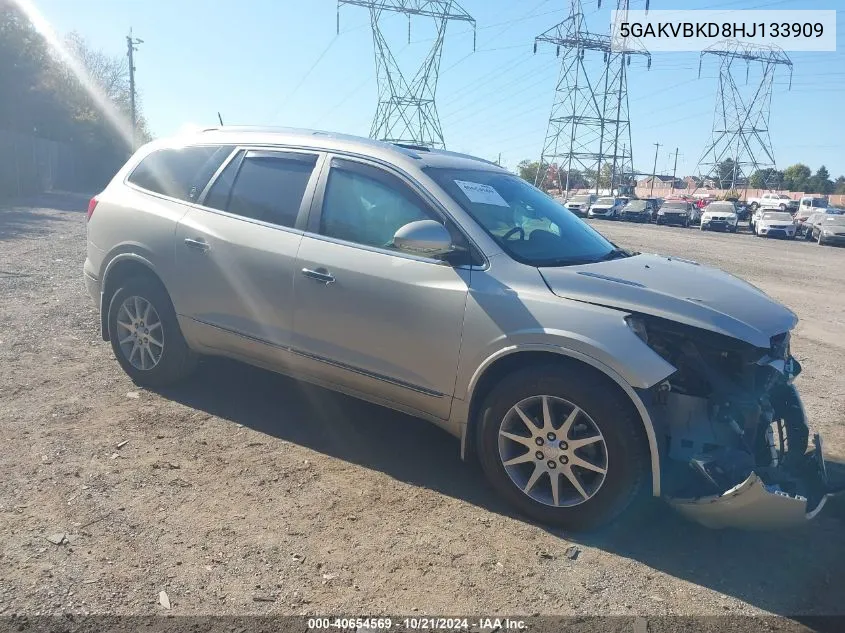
[
  {"x": 606, "y": 208},
  {"x": 719, "y": 216},
  {"x": 775, "y": 224},
  {"x": 777, "y": 201}
]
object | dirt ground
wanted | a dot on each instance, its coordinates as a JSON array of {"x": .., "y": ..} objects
[{"x": 245, "y": 492}]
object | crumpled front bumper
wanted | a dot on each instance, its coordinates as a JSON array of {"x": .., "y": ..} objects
[
  {"x": 754, "y": 505},
  {"x": 750, "y": 505}
]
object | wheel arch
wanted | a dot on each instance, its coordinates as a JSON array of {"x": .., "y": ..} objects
[
  {"x": 511, "y": 359},
  {"x": 122, "y": 267}
]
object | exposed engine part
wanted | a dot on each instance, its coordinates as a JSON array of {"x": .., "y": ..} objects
[{"x": 734, "y": 426}]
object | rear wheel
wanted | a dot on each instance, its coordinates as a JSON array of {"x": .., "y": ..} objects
[
  {"x": 145, "y": 334},
  {"x": 562, "y": 448}
]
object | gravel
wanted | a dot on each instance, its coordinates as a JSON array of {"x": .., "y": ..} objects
[{"x": 244, "y": 492}]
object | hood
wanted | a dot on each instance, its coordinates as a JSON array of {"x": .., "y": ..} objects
[{"x": 678, "y": 290}]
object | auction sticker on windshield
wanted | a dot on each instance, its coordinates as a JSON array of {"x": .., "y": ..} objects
[{"x": 482, "y": 194}]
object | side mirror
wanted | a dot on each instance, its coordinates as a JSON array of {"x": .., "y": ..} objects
[{"x": 424, "y": 237}]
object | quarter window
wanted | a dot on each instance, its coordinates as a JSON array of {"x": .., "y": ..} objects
[
  {"x": 180, "y": 173},
  {"x": 367, "y": 209},
  {"x": 269, "y": 186}
]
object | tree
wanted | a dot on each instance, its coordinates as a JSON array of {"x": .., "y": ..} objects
[
  {"x": 527, "y": 170},
  {"x": 41, "y": 96},
  {"x": 839, "y": 185},
  {"x": 796, "y": 177},
  {"x": 768, "y": 178},
  {"x": 821, "y": 182},
  {"x": 726, "y": 173}
]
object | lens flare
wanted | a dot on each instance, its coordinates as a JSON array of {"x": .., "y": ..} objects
[{"x": 117, "y": 120}]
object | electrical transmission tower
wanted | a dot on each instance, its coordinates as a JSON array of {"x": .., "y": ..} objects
[
  {"x": 741, "y": 122},
  {"x": 406, "y": 111},
  {"x": 589, "y": 127}
]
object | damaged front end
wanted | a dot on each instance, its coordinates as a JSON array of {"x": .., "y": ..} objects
[{"x": 735, "y": 450}]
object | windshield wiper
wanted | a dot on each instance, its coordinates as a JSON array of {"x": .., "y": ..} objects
[{"x": 616, "y": 253}]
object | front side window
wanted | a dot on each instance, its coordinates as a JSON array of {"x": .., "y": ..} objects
[
  {"x": 180, "y": 173},
  {"x": 268, "y": 186},
  {"x": 529, "y": 225},
  {"x": 362, "y": 206}
]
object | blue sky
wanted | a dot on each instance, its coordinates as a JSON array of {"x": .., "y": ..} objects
[{"x": 281, "y": 62}]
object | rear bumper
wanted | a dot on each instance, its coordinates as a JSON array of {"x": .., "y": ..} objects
[{"x": 92, "y": 283}]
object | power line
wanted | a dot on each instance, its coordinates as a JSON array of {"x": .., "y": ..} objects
[{"x": 290, "y": 94}]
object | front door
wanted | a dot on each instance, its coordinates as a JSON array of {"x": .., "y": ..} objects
[{"x": 370, "y": 318}]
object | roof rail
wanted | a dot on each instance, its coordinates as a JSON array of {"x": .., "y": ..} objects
[{"x": 411, "y": 146}]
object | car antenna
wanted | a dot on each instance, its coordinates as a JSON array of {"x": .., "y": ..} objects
[{"x": 220, "y": 118}]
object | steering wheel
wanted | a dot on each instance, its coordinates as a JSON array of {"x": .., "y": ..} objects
[{"x": 510, "y": 233}]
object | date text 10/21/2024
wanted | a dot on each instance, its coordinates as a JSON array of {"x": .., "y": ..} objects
[{"x": 421, "y": 623}]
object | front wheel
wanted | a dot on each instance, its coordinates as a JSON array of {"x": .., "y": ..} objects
[
  {"x": 145, "y": 334},
  {"x": 562, "y": 447}
]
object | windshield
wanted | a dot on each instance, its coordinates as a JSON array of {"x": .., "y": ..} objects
[
  {"x": 838, "y": 220},
  {"x": 675, "y": 204},
  {"x": 818, "y": 203},
  {"x": 609, "y": 201},
  {"x": 635, "y": 205},
  {"x": 720, "y": 207},
  {"x": 580, "y": 199},
  {"x": 529, "y": 225},
  {"x": 777, "y": 216}
]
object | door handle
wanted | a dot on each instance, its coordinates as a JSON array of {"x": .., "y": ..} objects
[
  {"x": 200, "y": 245},
  {"x": 321, "y": 274}
]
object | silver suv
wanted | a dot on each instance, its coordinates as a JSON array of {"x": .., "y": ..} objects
[{"x": 441, "y": 285}]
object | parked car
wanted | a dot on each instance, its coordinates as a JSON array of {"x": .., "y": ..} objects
[
  {"x": 575, "y": 371},
  {"x": 640, "y": 210},
  {"x": 829, "y": 230},
  {"x": 580, "y": 204},
  {"x": 775, "y": 224},
  {"x": 678, "y": 212},
  {"x": 719, "y": 216},
  {"x": 777, "y": 201},
  {"x": 608, "y": 208},
  {"x": 804, "y": 225},
  {"x": 809, "y": 204}
]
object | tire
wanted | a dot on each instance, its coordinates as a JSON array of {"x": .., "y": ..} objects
[
  {"x": 175, "y": 360},
  {"x": 626, "y": 456}
]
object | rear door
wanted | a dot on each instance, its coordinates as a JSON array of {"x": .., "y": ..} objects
[{"x": 236, "y": 254}]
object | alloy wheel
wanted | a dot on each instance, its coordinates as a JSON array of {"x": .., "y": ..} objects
[
  {"x": 553, "y": 451},
  {"x": 141, "y": 333}
]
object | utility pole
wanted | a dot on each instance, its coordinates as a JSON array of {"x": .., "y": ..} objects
[
  {"x": 589, "y": 121},
  {"x": 406, "y": 111},
  {"x": 653, "y": 171},
  {"x": 743, "y": 109},
  {"x": 131, "y": 47},
  {"x": 675, "y": 170}
]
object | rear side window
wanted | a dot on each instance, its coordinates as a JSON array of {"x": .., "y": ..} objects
[
  {"x": 179, "y": 173},
  {"x": 269, "y": 186}
]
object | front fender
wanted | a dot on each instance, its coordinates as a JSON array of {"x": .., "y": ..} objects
[{"x": 648, "y": 425}]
